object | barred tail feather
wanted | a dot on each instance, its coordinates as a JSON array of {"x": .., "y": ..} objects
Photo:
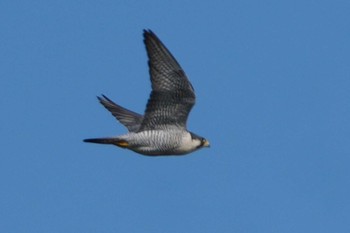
[{"x": 113, "y": 141}]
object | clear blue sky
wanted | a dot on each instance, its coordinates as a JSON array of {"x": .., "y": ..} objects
[{"x": 273, "y": 97}]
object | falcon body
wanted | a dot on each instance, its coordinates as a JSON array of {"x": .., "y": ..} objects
[{"x": 162, "y": 129}]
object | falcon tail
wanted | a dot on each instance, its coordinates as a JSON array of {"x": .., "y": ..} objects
[{"x": 114, "y": 141}]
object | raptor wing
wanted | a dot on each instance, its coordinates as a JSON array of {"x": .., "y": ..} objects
[
  {"x": 131, "y": 120},
  {"x": 172, "y": 96}
]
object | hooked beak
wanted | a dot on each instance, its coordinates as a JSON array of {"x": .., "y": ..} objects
[{"x": 206, "y": 144}]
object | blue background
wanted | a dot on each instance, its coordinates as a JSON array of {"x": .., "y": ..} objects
[{"x": 273, "y": 97}]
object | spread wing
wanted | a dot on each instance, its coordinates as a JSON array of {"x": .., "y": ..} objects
[
  {"x": 172, "y": 96},
  {"x": 131, "y": 120}
]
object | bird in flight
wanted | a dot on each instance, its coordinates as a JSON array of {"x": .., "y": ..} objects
[{"x": 162, "y": 129}]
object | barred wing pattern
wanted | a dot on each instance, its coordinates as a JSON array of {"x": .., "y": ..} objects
[
  {"x": 172, "y": 96},
  {"x": 131, "y": 120}
]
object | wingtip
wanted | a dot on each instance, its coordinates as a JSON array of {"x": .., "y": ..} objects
[
  {"x": 147, "y": 31},
  {"x": 103, "y": 98},
  {"x": 106, "y": 98}
]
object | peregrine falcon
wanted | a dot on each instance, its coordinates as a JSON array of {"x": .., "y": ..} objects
[{"x": 162, "y": 129}]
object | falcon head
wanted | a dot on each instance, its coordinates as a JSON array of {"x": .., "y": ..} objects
[{"x": 199, "y": 141}]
